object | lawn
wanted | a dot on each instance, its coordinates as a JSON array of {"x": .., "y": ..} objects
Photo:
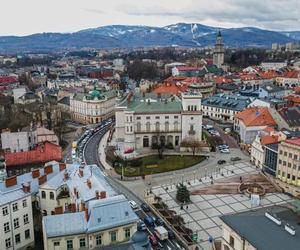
[{"x": 153, "y": 165}]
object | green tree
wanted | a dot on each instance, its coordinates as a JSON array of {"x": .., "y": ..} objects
[{"x": 183, "y": 194}]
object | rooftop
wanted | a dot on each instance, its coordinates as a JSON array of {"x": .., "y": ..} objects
[
  {"x": 270, "y": 88},
  {"x": 270, "y": 235},
  {"x": 291, "y": 116},
  {"x": 294, "y": 141}
]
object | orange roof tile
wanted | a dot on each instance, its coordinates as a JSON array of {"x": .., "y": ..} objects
[
  {"x": 41, "y": 154},
  {"x": 297, "y": 89},
  {"x": 268, "y": 139},
  {"x": 269, "y": 74},
  {"x": 291, "y": 74},
  {"x": 256, "y": 117},
  {"x": 170, "y": 89},
  {"x": 269, "y": 129},
  {"x": 222, "y": 79}
]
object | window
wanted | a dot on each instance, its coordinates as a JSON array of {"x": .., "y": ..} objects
[
  {"x": 295, "y": 157},
  {"x": 138, "y": 118},
  {"x": 8, "y": 243},
  {"x": 157, "y": 126},
  {"x": 51, "y": 196},
  {"x": 27, "y": 234},
  {"x": 148, "y": 118},
  {"x": 284, "y": 163},
  {"x": 289, "y": 165},
  {"x": 127, "y": 233},
  {"x": 280, "y": 161},
  {"x": 293, "y": 177},
  {"x": 138, "y": 127},
  {"x": 25, "y": 217},
  {"x": 285, "y": 153},
  {"x": 157, "y": 117},
  {"x": 148, "y": 126},
  {"x": 24, "y": 203},
  {"x": 231, "y": 241},
  {"x": 290, "y": 155},
  {"x": 176, "y": 117},
  {"x": 4, "y": 211},
  {"x": 16, "y": 223},
  {"x": 69, "y": 244},
  {"x": 166, "y": 117},
  {"x": 56, "y": 243},
  {"x": 167, "y": 126},
  {"x": 6, "y": 227},
  {"x": 176, "y": 126},
  {"x": 43, "y": 195},
  {"x": 17, "y": 238},
  {"x": 98, "y": 240},
  {"x": 82, "y": 242},
  {"x": 15, "y": 207},
  {"x": 280, "y": 152},
  {"x": 113, "y": 236}
]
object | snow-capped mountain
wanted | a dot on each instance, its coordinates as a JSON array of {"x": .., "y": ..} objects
[{"x": 127, "y": 36}]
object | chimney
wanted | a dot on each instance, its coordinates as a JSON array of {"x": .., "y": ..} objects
[
  {"x": 66, "y": 175},
  {"x": 102, "y": 194},
  {"x": 42, "y": 179},
  {"x": 86, "y": 211},
  {"x": 62, "y": 166},
  {"x": 35, "y": 173},
  {"x": 48, "y": 169},
  {"x": 26, "y": 187},
  {"x": 73, "y": 207},
  {"x": 82, "y": 206},
  {"x": 58, "y": 210},
  {"x": 11, "y": 181},
  {"x": 97, "y": 195},
  {"x": 89, "y": 183},
  {"x": 81, "y": 171}
]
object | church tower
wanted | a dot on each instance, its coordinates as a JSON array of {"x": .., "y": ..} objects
[{"x": 218, "y": 56}]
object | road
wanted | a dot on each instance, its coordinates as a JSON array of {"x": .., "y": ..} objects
[{"x": 91, "y": 156}]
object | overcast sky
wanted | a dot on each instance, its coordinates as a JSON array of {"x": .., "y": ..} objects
[{"x": 22, "y": 17}]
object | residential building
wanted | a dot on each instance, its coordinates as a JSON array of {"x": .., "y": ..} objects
[
  {"x": 219, "y": 51},
  {"x": 270, "y": 158},
  {"x": 271, "y": 91},
  {"x": 186, "y": 71},
  {"x": 291, "y": 117},
  {"x": 92, "y": 107},
  {"x": 224, "y": 107},
  {"x": 251, "y": 121},
  {"x": 289, "y": 79},
  {"x": 148, "y": 119},
  {"x": 266, "y": 228},
  {"x": 71, "y": 189},
  {"x": 104, "y": 222},
  {"x": 16, "y": 219},
  {"x": 273, "y": 65},
  {"x": 288, "y": 168}
]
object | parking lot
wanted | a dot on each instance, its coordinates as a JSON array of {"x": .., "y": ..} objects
[{"x": 202, "y": 214}]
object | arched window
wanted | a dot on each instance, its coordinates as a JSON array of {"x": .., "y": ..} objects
[
  {"x": 138, "y": 127},
  {"x": 148, "y": 126},
  {"x": 157, "y": 126},
  {"x": 167, "y": 126},
  {"x": 43, "y": 195},
  {"x": 176, "y": 126},
  {"x": 51, "y": 196}
]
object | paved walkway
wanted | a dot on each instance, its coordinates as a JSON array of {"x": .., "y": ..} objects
[{"x": 202, "y": 215}]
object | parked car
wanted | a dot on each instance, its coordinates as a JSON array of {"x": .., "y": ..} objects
[
  {"x": 145, "y": 207},
  {"x": 159, "y": 221},
  {"x": 235, "y": 158},
  {"x": 222, "y": 146},
  {"x": 141, "y": 226},
  {"x": 153, "y": 240},
  {"x": 171, "y": 234},
  {"x": 161, "y": 233},
  {"x": 225, "y": 151},
  {"x": 133, "y": 205},
  {"x": 149, "y": 221},
  {"x": 220, "y": 162}
]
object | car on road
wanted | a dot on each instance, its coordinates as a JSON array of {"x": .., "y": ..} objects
[
  {"x": 159, "y": 221},
  {"x": 133, "y": 205},
  {"x": 235, "y": 158},
  {"x": 141, "y": 226},
  {"x": 171, "y": 234},
  {"x": 161, "y": 233},
  {"x": 225, "y": 151},
  {"x": 149, "y": 221},
  {"x": 220, "y": 162},
  {"x": 153, "y": 240},
  {"x": 145, "y": 207}
]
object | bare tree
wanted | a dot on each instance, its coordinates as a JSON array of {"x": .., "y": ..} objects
[{"x": 192, "y": 143}]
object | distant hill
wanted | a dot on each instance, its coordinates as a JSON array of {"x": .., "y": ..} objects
[{"x": 124, "y": 36}]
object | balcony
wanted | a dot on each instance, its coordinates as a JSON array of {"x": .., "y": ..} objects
[{"x": 154, "y": 131}]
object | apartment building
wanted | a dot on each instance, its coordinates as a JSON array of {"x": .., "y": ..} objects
[
  {"x": 103, "y": 222},
  {"x": 288, "y": 166},
  {"x": 16, "y": 220}
]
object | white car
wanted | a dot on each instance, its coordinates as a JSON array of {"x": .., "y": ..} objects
[
  {"x": 225, "y": 151},
  {"x": 133, "y": 205}
]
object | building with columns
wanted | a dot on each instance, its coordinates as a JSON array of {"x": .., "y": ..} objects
[
  {"x": 218, "y": 55},
  {"x": 147, "y": 120}
]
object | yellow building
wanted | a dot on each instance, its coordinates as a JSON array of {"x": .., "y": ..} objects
[
  {"x": 288, "y": 166},
  {"x": 93, "y": 107}
]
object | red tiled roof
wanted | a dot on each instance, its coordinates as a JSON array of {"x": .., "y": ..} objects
[
  {"x": 245, "y": 77},
  {"x": 222, "y": 79},
  {"x": 295, "y": 141},
  {"x": 175, "y": 78},
  {"x": 41, "y": 154},
  {"x": 269, "y": 74},
  {"x": 291, "y": 74},
  {"x": 293, "y": 98},
  {"x": 170, "y": 88},
  {"x": 8, "y": 79},
  {"x": 268, "y": 139},
  {"x": 256, "y": 117},
  {"x": 297, "y": 89}
]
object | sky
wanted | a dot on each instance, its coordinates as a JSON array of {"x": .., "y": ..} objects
[{"x": 23, "y": 17}]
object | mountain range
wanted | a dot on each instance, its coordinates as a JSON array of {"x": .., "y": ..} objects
[{"x": 126, "y": 36}]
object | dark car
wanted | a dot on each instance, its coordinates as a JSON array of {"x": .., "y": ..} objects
[
  {"x": 171, "y": 234},
  {"x": 145, "y": 207},
  {"x": 159, "y": 221},
  {"x": 235, "y": 158},
  {"x": 149, "y": 221},
  {"x": 220, "y": 162},
  {"x": 153, "y": 240}
]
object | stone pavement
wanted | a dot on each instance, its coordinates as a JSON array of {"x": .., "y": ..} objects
[{"x": 202, "y": 214}]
